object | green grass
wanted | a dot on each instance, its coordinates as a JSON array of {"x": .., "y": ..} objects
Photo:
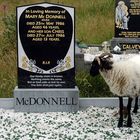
[
  {"x": 7, "y": 74},
  {"x": 92, "y": 86},
  {"x": 94, "y": 24}
]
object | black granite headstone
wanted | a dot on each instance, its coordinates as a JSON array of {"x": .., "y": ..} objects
[
  {"x": 45, "y": 35},
  {"x": 127, "y": 25}
]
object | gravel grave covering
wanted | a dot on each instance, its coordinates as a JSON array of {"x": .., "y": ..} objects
[{"x": 92, "y": 123}]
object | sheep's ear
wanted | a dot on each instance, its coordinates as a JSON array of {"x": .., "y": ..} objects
[{"x": 106, "y": 55}]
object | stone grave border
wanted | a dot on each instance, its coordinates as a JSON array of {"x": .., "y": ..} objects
[{"x": 8, "y": 103}]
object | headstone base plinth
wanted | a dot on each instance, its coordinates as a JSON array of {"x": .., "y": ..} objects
[
  {"x": 46, "y": 100},
  {"x": 116, "y": 41}
]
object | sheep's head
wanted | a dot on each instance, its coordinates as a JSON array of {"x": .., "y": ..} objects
[{"x": 102, "y": 62}]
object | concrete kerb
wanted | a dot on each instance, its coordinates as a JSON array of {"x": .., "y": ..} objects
[{"x": 8, "y": 103}]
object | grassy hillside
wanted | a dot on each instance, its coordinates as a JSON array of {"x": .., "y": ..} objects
[{"x": 94, "y": 24}]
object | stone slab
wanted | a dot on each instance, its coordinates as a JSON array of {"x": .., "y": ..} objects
[
  {"x": 116, "y": 41},
  {"x": 46, "y": 100}
]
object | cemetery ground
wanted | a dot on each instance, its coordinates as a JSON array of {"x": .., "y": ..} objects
[
  {"x": 10, "y": 129},
  {"x": 92, "y": 123},
  {"x": 94, "y": 24}
]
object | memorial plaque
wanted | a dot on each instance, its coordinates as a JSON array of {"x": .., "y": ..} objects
[
  {"x": 45, "y": 46},
  {"x": 127, "y": 18}
]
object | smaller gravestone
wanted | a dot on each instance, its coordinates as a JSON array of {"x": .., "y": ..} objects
[
  {"x": 46, "y": 68},
  {"x": 127, "y": 25}
]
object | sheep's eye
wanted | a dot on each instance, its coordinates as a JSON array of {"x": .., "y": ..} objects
[{"x": 103, "y": 59}]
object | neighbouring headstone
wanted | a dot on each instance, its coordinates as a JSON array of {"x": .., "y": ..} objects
[
  {"x": 46, "y": 68},
  {"x": 127, "y": 25}
]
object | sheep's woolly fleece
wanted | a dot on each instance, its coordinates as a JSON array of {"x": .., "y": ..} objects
[{"x": 93, "y": 123}]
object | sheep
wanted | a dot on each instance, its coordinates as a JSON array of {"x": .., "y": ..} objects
[{"x": 123, "y": 79}]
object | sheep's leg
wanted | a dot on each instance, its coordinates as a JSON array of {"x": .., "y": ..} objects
[
  {"x": 129, "y": 120},
  {"x": 120, "y": 123},
  {"x": 136, "y": 105}
]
